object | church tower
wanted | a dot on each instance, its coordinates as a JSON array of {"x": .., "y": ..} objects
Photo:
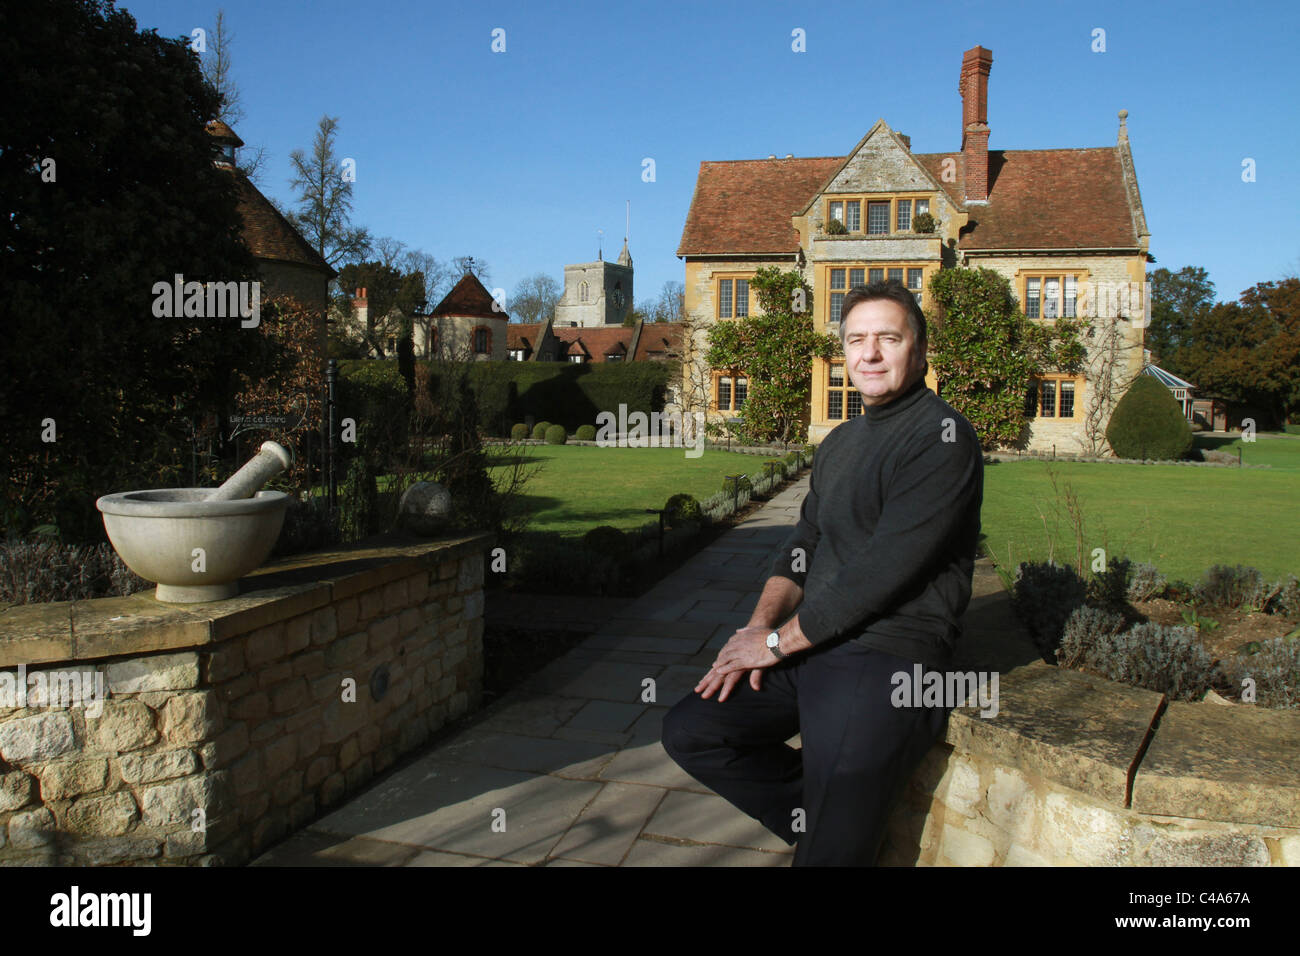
[{"x": 596, "y": 293}]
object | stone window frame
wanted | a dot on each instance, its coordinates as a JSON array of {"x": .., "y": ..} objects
[
  {"x": 865, "y": 199},
  {"x": 846, "y": 392},
  {"x": 1080, "y": 275},
  {"x": 721, "y": 277},
  {"x": 1056, "y": 378},
  {"x": 928, "y": 269},
  {"x": 487, "y": 340},
  {"x": 735, "y": 377}
]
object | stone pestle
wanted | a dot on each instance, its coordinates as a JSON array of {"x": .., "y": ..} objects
[{"x": 270, "y": 460}]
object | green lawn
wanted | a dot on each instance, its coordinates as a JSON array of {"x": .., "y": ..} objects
[
  {"x": 1179, "y": 518},
  {"x": 581, "y": 486}
]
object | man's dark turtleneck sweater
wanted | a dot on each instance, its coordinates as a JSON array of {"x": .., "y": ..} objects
[{"x": 889, "y": 529}]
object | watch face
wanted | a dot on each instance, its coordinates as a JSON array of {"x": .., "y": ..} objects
[{"x": 773, "y": 639}]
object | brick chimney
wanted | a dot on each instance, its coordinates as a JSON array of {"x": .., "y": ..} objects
[
  {"x": 360, "y": 307},
  {"x": 974, "y": 89}
]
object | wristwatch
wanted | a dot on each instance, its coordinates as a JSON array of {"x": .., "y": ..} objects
[{"x": 774, "y": 642}]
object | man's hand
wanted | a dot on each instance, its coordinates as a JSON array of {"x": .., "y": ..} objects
[{"x": 746, "y": 651}]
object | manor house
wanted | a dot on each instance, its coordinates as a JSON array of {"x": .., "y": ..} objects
[{"x": 1064, "y": 226}]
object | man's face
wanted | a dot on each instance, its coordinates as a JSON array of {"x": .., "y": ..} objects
[{"x": 880, "y": 351}]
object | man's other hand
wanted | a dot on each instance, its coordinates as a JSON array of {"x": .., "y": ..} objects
[{"x": 746, "y": 651}]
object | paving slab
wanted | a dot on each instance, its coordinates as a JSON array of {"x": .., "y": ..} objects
[
  {"x": 438, "y": 858},
  {"x": 708, "y": 818},
  {"x": 610, "y": 824},
  {"x": 603, "y": 680},
  {"x": 535, "y": 716},
  {"x": 463, "y": 808},
  {"x": 649, "y": 764},
  {"x": 313, "y": 848},
  {"x": 519, "y": 752},
  {"x": 649, "y": 726},
  {"x": 612, "y": 740},
  {"x": 630, "y": 657},
  {"x": 666, "y": 640},
  {"x": 655, "y": 853},
  {"x": 615, "y": 717}
]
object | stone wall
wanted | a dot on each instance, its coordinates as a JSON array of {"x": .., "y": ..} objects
[
  {"x": 1079, "y": 771},
  {"x": 229, "y": 724}
]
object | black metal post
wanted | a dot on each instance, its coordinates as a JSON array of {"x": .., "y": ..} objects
[
  {"x": 660, "y": 513},
  {"x": 331, "y": 378}
]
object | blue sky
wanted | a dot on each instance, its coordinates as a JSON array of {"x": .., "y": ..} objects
[{"x": 518, "y": 158}]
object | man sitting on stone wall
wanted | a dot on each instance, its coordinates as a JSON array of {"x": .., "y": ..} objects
[{"x": 879, "y": 570}]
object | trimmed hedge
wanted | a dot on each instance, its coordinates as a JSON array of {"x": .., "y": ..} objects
[
  {"x": 555, "y": 435},
  {"x": 563, "y": 393},
  {"x": 1148, "y": 423},
  {"x": 373, "y": 394}
]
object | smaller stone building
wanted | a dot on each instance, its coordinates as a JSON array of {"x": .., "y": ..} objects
[{"x": 287, "y": 262}]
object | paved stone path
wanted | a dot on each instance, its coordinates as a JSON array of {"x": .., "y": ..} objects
[{"x": 567, "y": 769}]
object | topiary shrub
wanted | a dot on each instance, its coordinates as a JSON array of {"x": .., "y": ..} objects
[
  {"x": 519, "y": 431},
  {"x": 1228, "y": 587},
  {"x": 1044, "y": 596},
  {"x": 539, "y": 430},
  {"x": 1081, "y": 631},
  {"x": 735, "y": 486},
  {"x": 1168, "y": 660},
  {"x": 836, "y": 228},
  {"x": 681, "y": 508},
  {"x": 1275, "y": 670},
  {"x": 358, "y": 501},
  {"x": 605, "y": 539},
  {"x": 1148, "y": 423},
  {"x": 586, "y": 433},
  {"x": 1147, "y": 583},
  {"x": 556, "y": 435},
  {"x": 923, "y": 222},
  {"x": 373, "y": 394}
]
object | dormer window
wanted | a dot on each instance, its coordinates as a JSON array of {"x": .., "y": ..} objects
[
  {"x": 228, "y": 153},
  {"x": 884, "y": 216}
]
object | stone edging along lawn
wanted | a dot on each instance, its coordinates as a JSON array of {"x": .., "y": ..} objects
[{"x": 1077, "y": 770}]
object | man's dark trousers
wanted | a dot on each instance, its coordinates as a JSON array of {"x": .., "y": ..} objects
[{"x": 858, "y": 749}]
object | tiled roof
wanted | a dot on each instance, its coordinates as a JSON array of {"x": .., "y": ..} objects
[
  {"x": 522, "y": 335},
  {"x": 223, "y": 133},
  {"x": 665, "y": 337},
  {"x": 595, "y": 340},
  {"x": 1038, "y": 199},
  {"x": 468, "y": 297},
  {"x": 1053, "y": 199},
  {"x": 744, "y": 206},
  {"x": 268, "y": 234}
]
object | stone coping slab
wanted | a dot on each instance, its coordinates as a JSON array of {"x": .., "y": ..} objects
[
  {"x": 35, "y": 634},
  {"x": 1082, "y": 731},
  {"x": 1223, "y": 762}
]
